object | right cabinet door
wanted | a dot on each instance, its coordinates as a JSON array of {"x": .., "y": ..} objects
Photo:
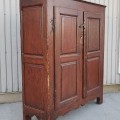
[{"x": 93, "y": 54}]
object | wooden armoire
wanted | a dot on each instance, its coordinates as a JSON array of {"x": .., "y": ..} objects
[{"x": 62, "y": 56}]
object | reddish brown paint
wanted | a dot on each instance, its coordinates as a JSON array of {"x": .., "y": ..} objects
[{"x": 62, "y": 56}]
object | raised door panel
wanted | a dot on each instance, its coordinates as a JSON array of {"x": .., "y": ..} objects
[
  {"x": 93, "y": 73},
  {"x": 93, "y": 61},
  {"x": 93, "y": 34},
  {"x": 34, "y": 81},
  {"x": 32, "y": 30},
  {"x": 68, "y": 26},
  {"x": 68, "y": 83},
  {"x": 68, "y": 58}
]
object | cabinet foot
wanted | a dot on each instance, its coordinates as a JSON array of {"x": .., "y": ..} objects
[
  {"x": 99, "y": 100},
  {"x": 82, "y": 104},
  {"x": 26, "y": 118}
]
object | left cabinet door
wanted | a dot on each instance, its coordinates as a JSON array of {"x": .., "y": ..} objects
[{"x": 68, "y": 58}]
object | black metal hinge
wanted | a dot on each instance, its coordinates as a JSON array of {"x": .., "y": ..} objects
[{"x": 53, "y": 22}]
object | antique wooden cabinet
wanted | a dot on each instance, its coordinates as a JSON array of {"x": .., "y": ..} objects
[{"x": 62, "y": 56}]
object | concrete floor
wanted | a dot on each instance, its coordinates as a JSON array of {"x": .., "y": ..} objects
[{"x": 109, "y": 110}]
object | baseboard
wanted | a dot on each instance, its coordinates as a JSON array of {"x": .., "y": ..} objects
[
  {"x": 10, "y": 97},
  {"x": 111, "y": 88}
]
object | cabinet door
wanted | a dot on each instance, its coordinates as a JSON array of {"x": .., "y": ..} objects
[
  {"x": 68, "y": 57},
  {"x": 93, "y": 54}
]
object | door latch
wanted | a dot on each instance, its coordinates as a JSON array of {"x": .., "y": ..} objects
[{"x": 82, "y": 26}]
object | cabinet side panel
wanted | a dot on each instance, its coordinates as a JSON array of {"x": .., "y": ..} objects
[{"x": 34, "y": 58}]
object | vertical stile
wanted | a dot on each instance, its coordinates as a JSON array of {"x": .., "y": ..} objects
[
  {"x": 113, "y": 49},
  {"x": 14, "y": 45},
  {"x": 119, "y": 33},
  {"x": 19, "y": 47},
  {"x": 117, "y": 44},
  {"x": 110, "y": 34},
  {"x": 2, "y": 47},
  {"x": 8, "y": 46},
  {"x": 106, "y": 40}
]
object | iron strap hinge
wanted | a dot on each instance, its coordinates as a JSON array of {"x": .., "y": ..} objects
[{"x": 53, "y": 22}]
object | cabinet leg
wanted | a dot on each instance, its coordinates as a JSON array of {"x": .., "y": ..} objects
[
  {"x": 26, "y": 118},
  {"x": 51, "y": 118},
  {"x": 100, "y": 100}
]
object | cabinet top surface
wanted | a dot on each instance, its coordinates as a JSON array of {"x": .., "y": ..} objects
[{"x": 90, "y": 3}]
